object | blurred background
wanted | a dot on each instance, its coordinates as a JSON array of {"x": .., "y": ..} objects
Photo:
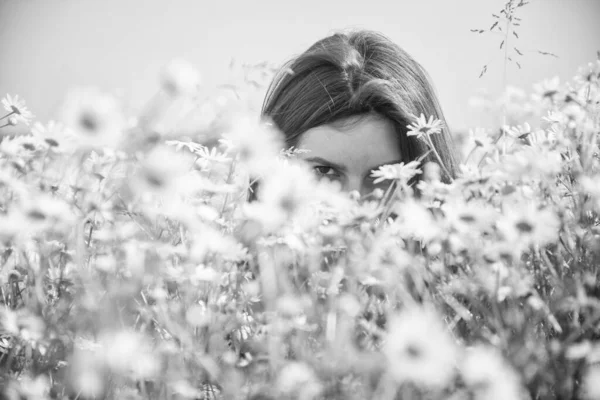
[{"x": 49, "y": 46}]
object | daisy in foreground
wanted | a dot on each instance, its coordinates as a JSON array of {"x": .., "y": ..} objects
[
  {"x": 419, "y": 349},
  {"x": 94, "y": 117},
  {"x": 17, "y": 109}
]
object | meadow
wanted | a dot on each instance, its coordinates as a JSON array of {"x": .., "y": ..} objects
[{"x": 133, "y": 266}]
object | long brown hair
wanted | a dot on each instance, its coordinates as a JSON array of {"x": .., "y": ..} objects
[{"x": 348, "y": 74}]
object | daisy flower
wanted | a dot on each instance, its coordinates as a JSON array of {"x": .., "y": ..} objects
[
  {"x": 469, "y": 218},
  {"x": 54, "y": 135},
  {"x": 528, "y": 225},
  {"x": 481, "y": 138},
  {"x": 419, "y": 349},
  {"x": 129, "y": 353},
  {"x": 591, "y": 186},
  {"x": 423, "y": 127},
  {"x": 591, "y": 382},
  {"x": 416, "y": 221},
  {"x": 519, "y": 131},
  {"x": 400, "y": 172},
  {"x": 589, "y": 73},
  {"x": 548, "y": 89},
  {"x": 27, "y": 387},
  {"x": 299, "y": 379},
  {"x": 24, "y": 147},
  {"x": 180, "y": 78},
  {"x": 17, "y": 109},
  {"x": 95, "y": 118},
  {"x": 256, "y": 145},
  {"x": 281, "y": 194},
  {"x": 210, "y": 156},
  {"x": 161, "y": 172},
  {"x": 488, "y": 375}
]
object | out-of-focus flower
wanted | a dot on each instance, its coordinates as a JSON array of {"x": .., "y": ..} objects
[
  {"x": 88, "y": 374},
  {"x": 184, "y": 389},
  {"x": 471, "y": 218},
  {"x": 198, "y": 315},
  {"x": 519, "y": 131},
  {"x": 416, "y": 222},
  {"x": 591, "y": 186},
  {"x": 129, "y": 353},
  {"x": 298, "y": 380},
  {"x": 208, "y": 241},
  {"x": 486, "y": 373},
  {"x": 180, "y": 78},
  {"x": 17, "y": 109},
  {"x": 281, "y": 194},
  {"x": 589, "y": 74},
  {"x": 573, "y": 115},
  {"x": 162, "y": 171},
  {"x": 22, "y": 324},
  {"x": 478, "y": 139},
  {"x": 24, "y": 147},
  {"x": 422, "y": 127},
  {"x": 257, "y": 145},
  {"x": 529, "y": 225},
  {"x": 419, "y": 348},
  {"x": 54, "y": 135},
  {"x": 530, "y": 163},
  {"x": 28, "y": 388},
  {"x": 94, "y": 117},
  {"x": 591, "y": 383},
  {"x": 515, "y": 105},
  {"x": 547, "y": 90},
  {"x": 43, "y": 211},
  {"x": 400, "y": 172}
]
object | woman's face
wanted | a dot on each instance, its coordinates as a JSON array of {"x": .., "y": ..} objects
[{"x": 348, "y": 151}]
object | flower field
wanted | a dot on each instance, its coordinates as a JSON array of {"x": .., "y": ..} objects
[{"x": 132, "y": 264}]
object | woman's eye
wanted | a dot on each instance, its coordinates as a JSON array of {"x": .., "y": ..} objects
[{"x": 325, "y": 171}]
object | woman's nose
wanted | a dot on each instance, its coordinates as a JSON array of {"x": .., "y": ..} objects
[{"x": 357, "y": 185}]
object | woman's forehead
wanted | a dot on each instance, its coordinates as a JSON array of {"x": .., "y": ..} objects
[{"x": 358, "y": 144}]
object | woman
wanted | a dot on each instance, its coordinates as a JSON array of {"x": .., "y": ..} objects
[{"x": 348, "y": 100}]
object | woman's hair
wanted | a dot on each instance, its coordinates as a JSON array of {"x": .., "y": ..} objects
[{"x": 349, "y": 74}]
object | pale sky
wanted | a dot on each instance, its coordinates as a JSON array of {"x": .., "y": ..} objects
[{"x": 49, "y": 46}]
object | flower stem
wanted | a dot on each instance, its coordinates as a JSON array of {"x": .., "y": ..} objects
[
  {"x": 7, "y": 115},
  {"x": 470, "y": 154},
  {"x": 2, "y": 126}
]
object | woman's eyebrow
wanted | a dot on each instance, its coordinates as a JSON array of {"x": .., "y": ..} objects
[{"x": 320, "y": 160}]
